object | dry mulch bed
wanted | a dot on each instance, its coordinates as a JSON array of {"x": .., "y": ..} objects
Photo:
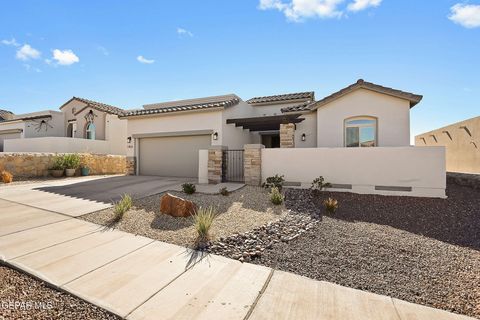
[
  {"x": 37, "y": 301},
  {"x": 239, "y": 212},
  {"x": 422, "y": 250}
]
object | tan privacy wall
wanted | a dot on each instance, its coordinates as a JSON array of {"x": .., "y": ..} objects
[
  {"x": 63, "y": 145},
  {"x": 406, "y": 171},
  {"x": 37, "y": 164},
  {"x": 462, "y": 143}
]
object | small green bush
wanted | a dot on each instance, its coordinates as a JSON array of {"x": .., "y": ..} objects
[
  {"x": 189, "y": 188},
  {"x": 224, "y": 191},
  {"x": 58, "y": 163},
  {"x": 203, "y": 220},
  {"x": 276, "y": 196},
  {"x": 274, "y": 182},
  {"x": 71, "y": 161},
  {"x": 319, "y": 184},
  {"x": 331, "y": 205},
  {"x": 122, "y": 206}
]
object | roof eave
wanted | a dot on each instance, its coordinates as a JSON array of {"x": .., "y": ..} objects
[
  {"x": 160, "y": 114},
  {"x": 254, "y": 104}
]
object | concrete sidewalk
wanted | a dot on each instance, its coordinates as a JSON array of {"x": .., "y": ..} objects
[{"x": 139, "y": 278}]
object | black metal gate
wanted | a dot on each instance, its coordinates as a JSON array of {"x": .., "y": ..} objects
[{"x": 232, "y": 166}]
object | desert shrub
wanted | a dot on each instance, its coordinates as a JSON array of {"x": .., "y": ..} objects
[
  {"x": 58, "y": 163},
  {"x": 224, "y": 191},
  {"x": 331, "y": 205},
  {"x": 274, "y": 182},
  {"x": 122, "y": 206},
  {"x": 189, "y": 188},
  {"x": 319, "y": 184},
  {"x": 276, "y": 196},
  {"x": 203, "y": 220},
  {"x": 71, "y": 161},
  {"x": 7, "y": 177}
]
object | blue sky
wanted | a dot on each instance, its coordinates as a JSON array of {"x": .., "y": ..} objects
[{"x": 129, "y": 53}]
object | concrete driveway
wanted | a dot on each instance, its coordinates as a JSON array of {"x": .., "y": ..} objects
[{"x": 79, "y": 196}]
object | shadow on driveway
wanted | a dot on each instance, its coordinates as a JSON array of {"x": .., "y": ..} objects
[{"x": 111, "y": 189}]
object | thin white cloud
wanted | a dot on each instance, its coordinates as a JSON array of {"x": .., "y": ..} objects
[
  {"x": 142, "y": 59},
  {"x": 103, "y": 50},
  {"x": 184, "y": 32},
  {"x": 466, "y": 15},
  {"x": 63, "y": 57},
  {"x": 26, "y": 52},
  {"x": 358, "y": 5},
  {"x": 299, "y": 10},
  {"x": 30, "y": 68},
  {"x": 11, "y": 42}
]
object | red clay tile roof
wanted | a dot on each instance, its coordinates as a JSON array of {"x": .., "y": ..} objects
[
  {"x": 360, "y": 84},
  {"x": 5, "y": 114},
  {"x": 283, "y": 97},
  {"x": 230, "y": 100},
  {"x": 98, "y": 106}
]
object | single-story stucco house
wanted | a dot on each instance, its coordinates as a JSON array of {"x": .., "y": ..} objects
[
  {"x": 166, "y": 137},
  {"x": 358, "y": 138}
]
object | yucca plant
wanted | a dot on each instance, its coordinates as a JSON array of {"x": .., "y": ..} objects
[
  {"x": 331, "y": 205},
  {"x": 276, "y": 196},
  {"x": 203, "y": 220},
  {"x": 122, "y": 206},
  {"x": 7, "y": 177}
]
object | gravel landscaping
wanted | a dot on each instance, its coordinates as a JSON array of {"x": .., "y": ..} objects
[
  {"x": 239, "y": 212},
  {"x": 23, "y": 297},
  {"x": 421, "y": 250}
]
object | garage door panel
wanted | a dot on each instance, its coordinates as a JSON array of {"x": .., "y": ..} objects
[{"x": 171, "y": 156}]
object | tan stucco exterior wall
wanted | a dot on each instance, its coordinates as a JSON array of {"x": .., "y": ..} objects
[
  {"x": 393, "y": 115},
  {"x": 462, "y": 148},
  {"x": 81, "y": 122},
  {"x": 176, "y": 122}
]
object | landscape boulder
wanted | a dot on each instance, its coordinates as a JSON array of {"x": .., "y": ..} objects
[{"x": 176, "y": 206}]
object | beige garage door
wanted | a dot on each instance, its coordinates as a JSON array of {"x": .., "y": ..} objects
[
  {"x": 171, "y": 156},
  {"x": 6, "y": 136}
]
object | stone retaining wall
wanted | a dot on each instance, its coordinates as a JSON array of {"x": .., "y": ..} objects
[{"x": 37, "y": 164}]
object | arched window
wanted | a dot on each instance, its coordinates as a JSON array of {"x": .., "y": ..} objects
[
  {"x": 91, "y": 131},
  {"x": 361, "y": 132}
]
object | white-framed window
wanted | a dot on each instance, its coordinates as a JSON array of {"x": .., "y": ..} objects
[
  {"x": 90, "y": 131},
  {"x": 361, "y": 132}
]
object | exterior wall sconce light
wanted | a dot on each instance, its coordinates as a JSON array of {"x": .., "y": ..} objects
[
  {"x": 215, "y": 136},
  {"x": 129, "y": 139},
  {"x": 304, "y": 137}
]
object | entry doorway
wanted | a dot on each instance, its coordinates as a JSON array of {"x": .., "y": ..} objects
[{"x": 271, "y": 140}]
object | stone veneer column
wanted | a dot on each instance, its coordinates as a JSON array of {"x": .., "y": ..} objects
[
  {"x": 252, "y": 164},
  {"x": 287, "y": 135},
  {"x": 131, "y": 165},
  {"x": 215, "y": 156}
]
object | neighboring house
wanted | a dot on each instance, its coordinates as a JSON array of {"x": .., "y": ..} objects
[
  {"x": 46, "y": 123},
  {"x": 164, "y": 138},
  {"x": 81, "y": 125},
  {"x": 461, "y": 141}
]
